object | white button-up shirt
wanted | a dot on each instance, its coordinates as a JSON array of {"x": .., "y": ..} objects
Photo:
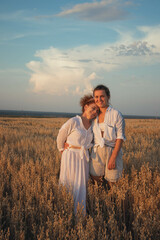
[{"x": 114, "y": 128}]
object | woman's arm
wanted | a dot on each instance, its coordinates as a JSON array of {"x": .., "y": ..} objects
[
  {"x": 120, "y": 132},
  {"x": 61, "y": 139},
  {"x": 112, "y": 160},
  {"x": 64, "y": 131}
]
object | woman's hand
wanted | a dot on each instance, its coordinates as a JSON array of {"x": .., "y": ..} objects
[
  {"x": 112, "y": 160},
  {"x": 66, "y": 145},
  {"x": 112, "y": 163}
]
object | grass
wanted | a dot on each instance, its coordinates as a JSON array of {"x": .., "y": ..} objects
[{"x": 32, "y": 206}]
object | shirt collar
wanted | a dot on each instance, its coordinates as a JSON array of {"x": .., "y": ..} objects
[{"x": 107, "y": 110}]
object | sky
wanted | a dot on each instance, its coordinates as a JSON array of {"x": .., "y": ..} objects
[{"x": 53, "y": 52}]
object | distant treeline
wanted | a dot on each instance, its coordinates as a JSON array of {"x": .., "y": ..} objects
[{"x": 38, "y": 114}]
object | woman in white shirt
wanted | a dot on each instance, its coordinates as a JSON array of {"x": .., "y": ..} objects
[
  {"x": 73, "y": 140},
  {"x": 108, "y": 128}
]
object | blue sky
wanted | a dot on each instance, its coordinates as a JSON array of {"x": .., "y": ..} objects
[{"x": 54, "y": 52}]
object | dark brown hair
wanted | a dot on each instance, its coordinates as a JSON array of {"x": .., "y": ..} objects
[
  {"x": 102, "y": 87},
  {"x": 86, "y": 100}
]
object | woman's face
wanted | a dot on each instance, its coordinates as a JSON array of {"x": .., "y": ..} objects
[
  {"x": 91, "y": 110},
  {"x": 101, "y": 99}
]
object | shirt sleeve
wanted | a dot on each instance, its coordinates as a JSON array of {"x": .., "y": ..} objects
[
  {"x": 63, "y": 133},
  {"x": 120, "y": 127}
]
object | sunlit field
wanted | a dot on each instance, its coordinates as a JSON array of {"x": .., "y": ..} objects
[{"x": 33, "y": 206}]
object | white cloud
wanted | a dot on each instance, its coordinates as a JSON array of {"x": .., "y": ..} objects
[
  {"x": 72, "y": 71},
  {"x": 152, "y": 34},
  {"x": 104, "y": 11},
  {"x": 59, "y": 72}
]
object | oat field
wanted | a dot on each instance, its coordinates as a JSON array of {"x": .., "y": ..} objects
[{"x": 32, "y": 206}]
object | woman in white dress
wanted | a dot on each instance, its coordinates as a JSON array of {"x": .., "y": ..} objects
[{"x": 73, "y": 140}]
